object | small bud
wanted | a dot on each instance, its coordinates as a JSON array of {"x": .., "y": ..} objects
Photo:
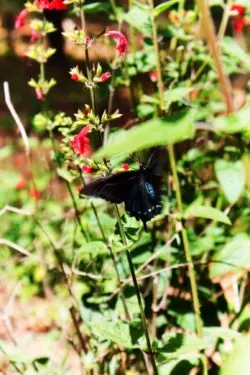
[
  {"x": 125, "y": 166},
  {"x": 74, "y": 77}
]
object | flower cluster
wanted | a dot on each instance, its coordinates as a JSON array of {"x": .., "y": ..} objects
[{"x": 51, "y": 4}]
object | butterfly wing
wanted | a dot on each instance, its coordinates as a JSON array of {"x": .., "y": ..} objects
[
  {"x": 115, "y": 188},
  {"x": 142, "y": 201}
]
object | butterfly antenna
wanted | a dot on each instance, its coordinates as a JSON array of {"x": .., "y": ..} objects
[{"x": 145, "y": 226}]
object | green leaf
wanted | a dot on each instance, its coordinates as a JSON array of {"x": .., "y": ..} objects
[
  {"x": 207, "y": 212},
  {"x": 155, "y": 132},
  {"x": 235, "y": 122},
  {"x": 176, "y": 94},
  {"x": 232, "y": 48},
  {"x": 94, "y": 248},
  {"x": 238, "y": 361},
  {"x": 119, "y": 332},
  {"x": 65, "y": 174},
  {"x": 140, "y": 20},
  {"x": 234, "y": 257},
  {"x": 162, "y": 7},
  {"x": 231, "y": 177},
  {"x": 96, "y": 7}
]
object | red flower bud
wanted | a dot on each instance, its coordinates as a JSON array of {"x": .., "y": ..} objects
[
  {"x": 35, "y": 194},
  {"x": 153, "y": 76},
  {"x": 39, "y": 94},
  {"x": 238, "y": 21},
  {"x": 87, "y": 169},
  {"x": 75, "y": 77},
  {"x": 34, "y": 36},
  {"x": 105, "y": 76},
  {"x": 125, "y": 166}
]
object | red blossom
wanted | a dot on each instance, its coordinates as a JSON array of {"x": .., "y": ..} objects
[
  {"x": 125, "y": 166},
  {"x": 34, "y": 36},
  {"x": 87, "y": 169},
  {"x": 153, "y": 76},
  {"x": 20, "y": 19},
  {"x": 238, "y": 21},
  {"x": 80, "y": 142},
  {"x": 35, "y": 193},
  {"x": 39, "y": 94},
  {"x": 21, "y": 184},
  {"x": 122, "y": 42},
  {"x": 51, "y": 4},
  {"x": 74, "y": 77},
  {"x": 105, "y": 76}
]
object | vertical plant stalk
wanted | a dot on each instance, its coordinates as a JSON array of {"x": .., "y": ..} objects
[
  {"x": 209, "y": 32},
  {"x": 224, "y": 20},
  {"x": 186, "y": 245},
  {"x": 138, "y": 294},
  {"x": 22, "y": 130}
]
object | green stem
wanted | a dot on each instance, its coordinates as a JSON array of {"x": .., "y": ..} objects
[
  {"x": 138, "y": 294},
  {"x": 188, "y": 255},
  {"x": 224, "y": 21},
  {"x": 113, "y": 6}
]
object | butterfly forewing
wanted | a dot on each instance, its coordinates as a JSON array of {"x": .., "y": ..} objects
[{"x": 114, "y": 188}]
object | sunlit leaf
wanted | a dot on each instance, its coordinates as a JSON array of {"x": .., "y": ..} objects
[
  {"x": 164, "y": 6},
  {"x": 235, "y": 122},
  {"x": 155, "y": 132},
  {"x": 139, "y": 19},
  {"x": 238, "y": 361},
  {"x": 234, "y": 257},
  {"x": 207, "y": 212},
  {"x": 231, "y": 177}
]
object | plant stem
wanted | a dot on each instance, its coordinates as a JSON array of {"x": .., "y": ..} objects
[
  {"x": 138, "y": 294},
  {"x": 209, "y": 33},
  {"x": 186, "y": 243}
]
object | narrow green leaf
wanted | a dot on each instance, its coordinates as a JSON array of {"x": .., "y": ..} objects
[
  {"x": 238, "y": 361},
  {"x": 155, "y": 132},
  {"x": 231, "y": 177},
  {"x": 233, "y": 49},
  {"x": 234, "y": 257},
  {"x": 207, "y": 212},
  {"x": 66, "y": 175},
  {"x": 164, "y": 6}
]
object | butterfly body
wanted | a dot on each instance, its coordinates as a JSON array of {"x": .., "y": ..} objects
[{"x": 138, "y": 190}]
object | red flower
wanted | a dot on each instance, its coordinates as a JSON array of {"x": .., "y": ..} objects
[
  {"x": 20, "y": 19},
  {"x": 238, "y": 12},
  {"x": 105, "y": 76},
  {"x": 34, "y": 36},
  {"x": 35, "y": 194},
  {"x": 122, "y": 42},
  {"x": 153, "y": 76},
  {"x": 75, "y": 77},
  {"x": 21, "y": 184},
  {"x": 125, "y": 166},
  {"x": 39, "y": 94},
  {"x": 87, "y": 169},
  {"x": 80, "y": 142},
  {"x": 51, "y": 4}
]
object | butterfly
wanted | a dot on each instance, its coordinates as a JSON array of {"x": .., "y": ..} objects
[{"x": 139, "y": 190}]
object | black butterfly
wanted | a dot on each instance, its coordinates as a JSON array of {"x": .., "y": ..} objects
[{"x": 139, "y": 190}]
